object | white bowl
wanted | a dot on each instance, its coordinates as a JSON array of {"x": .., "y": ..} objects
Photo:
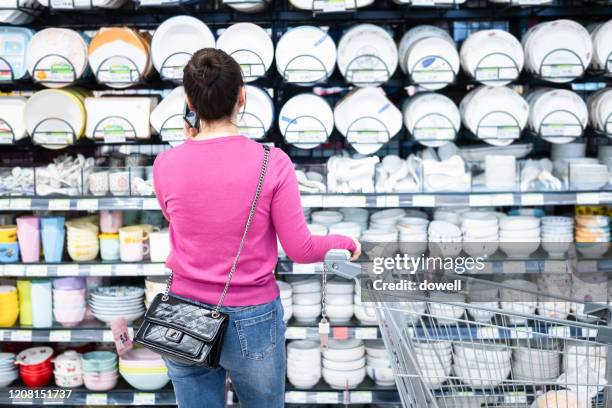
[
  {"x": 306, "y": 313},
  {"x": 339, "y": 313},
  {"x": 344, "y": 350},
  {"x": 344, "y": 365},
  {"x": 306, "y": 286},
  {"x": 310, "y": 298},
  {"x": 344, "y": 379}
]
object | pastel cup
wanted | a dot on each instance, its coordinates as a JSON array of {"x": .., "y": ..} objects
[
  {"x": 28, "y": 234},
  {"x": 134, "y": 242},
  {"x": 110, "y": 221},
  {"x": 109, "y": 247}
]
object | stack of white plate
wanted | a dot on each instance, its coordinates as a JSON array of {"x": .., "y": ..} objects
[
  {"x": 412, "y": 235},
  {"x": 310, "y": 4},
  {"x": 112, "y": 302},
  {"x": 306, "y": 121},
  {"x": 167, "y": 117},
  {"x": 434, "y": 361},
  {"x": 305, "y": 55},
  {"x": 429, "y": 55},
  {"x": 12, "y": 125},
  {"x": 368, "y": 119},
  {"x": 175, "y": 41},
  {"x": 367, "y": 55},
  {"x": 17, "y": 17},
  {"x": 480, "y": 233},
  {"x": 326, "y": 218},
  {"x": 519, "y": 235},
  {"x": 602, "y": 47},
  {"x": 533, "y": 362},
  {"x": 379, "y": 242},
  {"x": 340, "y": 294},
  {"x": 8, "y": 370},
  {"x": 358, "y": 215},
  {"x": 303, "y": 363},
  {"x": 492, "y": 57},
  {"x": 600, "y": 111},
  {"x": 364, "y": 311},
  {"x": 482, "y": 297},
  {"x": 56, "y": 57},
  {"x": 587, "y": 176},
  {"x": 496, "y": 115},
  {"x": 557, "y": 51},
  {"x": 444, "y": 313},
  {"x": 520, "y": 299},
  {"x": 445, "y": 238},
  {"x": 347, "y": 228},
  {"x": 251, "y": 47},
  {"x": 306, "y": 300},
  {"x": 378, "y": 364},
  {"x": 13, "y": 43},
  {"x": 344, "y": 364},
  {"x": 257, "y": 115},
  {"x": 557, "y": 235},
  {"x": 125, "y": 117},
  {"x": 432, "y": 119},
  {"x": 482, "y": 365},
  {"x": 557, "y": 115},
  {"x": 386, "y": 219},
  {"x": 286, "y": 293}
]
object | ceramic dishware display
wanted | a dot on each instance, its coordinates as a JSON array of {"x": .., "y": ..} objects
[
  {"x": 255, "y": 119},
  {"x": 602, "y": 48},
  {"x": 82, "y": 240},
  {"x": 378, "y": 364},
  {"x": 12, "y": 125},
  {"x": 134, "y": 242},
  {"x": 303, "y": 363},
  {"x": 340, "y": 294},
  {"x": 519, "y": 236},
  {"x": 557, "y": 235},
  {"x": 13, "y": 44},
  {"x": 482, "y": 365},
  {"x": 305, "y": 55},
  {"x": 412, "y": 235},
  {"x": 9, "y": 247},
  {"x": 445, "y": 238},
  {"x": 175, "y": 41},
  {"x": 286, "y": 293},
  {"x": 143, "y": 369},
  {"x": 500, "y": 173},
  {"x": 9, "y": 372},
  {"x": 432, "y": 119},
  {"x": 548, "y": 359},
  {"x": 42, "y": 300},
  {"x": 119, "y": 57},
  {"x": 68, "y": 369},
  {"x": 344, "y": 363},
  {"x": 306, "y": 121},
  {"x": 518, "y": 296},
  {"x": 110, "y": 221},
  {"x": 447, "y": 308},
  {"x": 248, "y": 6},
  {"x": 557, "y": 51},
  {"x": 118, "y": 118},
  {"x": 326, "y": 218},
  {"x": 311, "y": 5},
  {"x": 600, "y": 111},
  {"x": 111, "y": 302},
  {"x": 592, "y": 235},
  {"x": 100, "y": 371},
  {"x": 435, "y": 362},
  {"x": 428, "y": 54},
  {"x": 25, "y": 302},
  {"x": 153, "y": 286},
  {"x": 53, "y": 235},
  {"x": 56, "y": 57},
  {"x": 167, "y": 117},
  {"x": 35, "y": 368},
  {"x": 9, "y": 305},
  {"x": 69, "y": 301},
  {"x": 159, "y": 243},
  {"x": 367, "y": 55},
  {"x": 251, "y": 47},
  {"x": 557, "y": 115},
  {"x": 306, "y": 300},
  {"x": 480, "y": 230},
  {"x": 28, "y": 235},
  {"x": 20, "y": 12}
]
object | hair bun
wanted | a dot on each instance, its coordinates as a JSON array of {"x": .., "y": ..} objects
[{"x": 209, "y": 70}]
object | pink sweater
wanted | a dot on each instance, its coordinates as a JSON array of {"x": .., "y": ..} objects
[{"x": 205, "y": 189}]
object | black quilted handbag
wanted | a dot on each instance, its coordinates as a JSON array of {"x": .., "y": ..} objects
[{"x": 187, "y": 331}]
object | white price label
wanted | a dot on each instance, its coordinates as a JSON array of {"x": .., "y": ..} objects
[
  {"x": 153, "y": 269},
  {"x": 5, "y": 204},
  {"x": 304, "y": 268},
  {"x": 393, "y": 201},
  {"x": 87, "y": 204},
  {"x": 59, "y": 204},
  {"x": 521, "y": 333},
  {"x": 67, "y": 270},
  {"x": 513, "y": 267},
  {"x": 532, "y": 199},
  {"x": 589, "y": 333},
  {"x": 480, "y": 200},
  {"x": 366, "y": 333},
  {"x": 423, "y": 3},
  {"x": 344, "y": 201},
  {"x": 62, "y": 4},
  {"x": 115, "y": 138},
  {"x": 360, "y": 397},
  {"x": 587, "y": 198},
  {"x": 2, "y": 335},
  {"x": 329, "y": 6},
  {"x": 60, "y": 336},
  {"x": 127, "y": 269},
  {"x": 100, "y": 270},
  {"x": 296, "y": 333},
  {"x": 312, "y": 201},
  {"x": 144, "y": 398},
  {"x": 327, "y": 397},
  {"x": 36, "y": 270},
  {"x": 555, "y": 267},
  {"x": 295, "y": 397},
  {"x": 515, "y": 398},
  {"x": 150, "y": 204},
  {"x": 9, "y": 4},
  {"x": 503, "y": 199},
  {"x": 560, "y": 331},
  {"x": 107, "y": 336},
  {"x": 21, "y": 335},
  {"x": 96, "y": 399},
  {"x": 487, "y": 333},
  {"x": 421, "y": 200},
  {"x": 14, "y": 270},
  {"x": 21, "y": 204}
]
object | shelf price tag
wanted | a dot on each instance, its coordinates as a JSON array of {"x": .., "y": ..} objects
[
  {"x": 60, "y": 336},
  {"x": 487, "y": 333},
  {"x": 587, "y": 198},
  {"x": 560, "y": 331},
  {"x": 366, "y": 333},
  {"x": 521, "y": 333},
  {"x": 532, "y": 199},
  {"x": 329, "y": 6},
  {"x": 67, "y": 270},
  {"x": 555, "y": 266},
  {"x": 14, "y": 270},
  {"x": 150, "y": 204},
  {"x": 516, "y": 397},
  {"x": 589, "y": 333},
  {"x": 513, "y": 267},
  {"x": 59, "y": 204},
  {"x": 340, "y": 333},
  {"x": 100, "y": 270},
  {"x": 360, "y": 397},
  {"x": 144, "y": 398},
  {"x": 296, "y": 333},
  {"x": 87, "y": 204},
  {"x": 5, "y": 204},
  {"x": 503, "y": 199},
  {"x": 296, "y": 397},
  {"x": 36, "y": 270},
  {"x": 327, "y": 397},
  {"x": 96, "y": 399},
  {"x": 153, "y": 269},
  {"x": 107, "y": 336},
  {"x": 127, "y": 269},
  {"x": 20, "y": 204},
  {"x": 480, "y": 200},
  {"x": 306, "y": 269},
  {"x": 421, "y": 200},
  {"x": 21, "y": 335},
  {"x": 312, "y": 201}
]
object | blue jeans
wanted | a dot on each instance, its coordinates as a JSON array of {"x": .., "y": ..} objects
[{"x": 253, "y": 355}]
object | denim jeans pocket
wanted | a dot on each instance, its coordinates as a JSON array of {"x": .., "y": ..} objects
[{"x": 257, "y": 335}]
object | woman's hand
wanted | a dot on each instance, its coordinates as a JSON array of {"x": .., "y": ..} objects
[
  {"x": 357, "y": 252},
  {"x": 189, "y": 132}
]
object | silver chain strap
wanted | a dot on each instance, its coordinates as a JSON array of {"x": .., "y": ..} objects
[{"x": 262, "y": 175}]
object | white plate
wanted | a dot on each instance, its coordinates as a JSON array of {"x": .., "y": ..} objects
[
  {"x": 12, "y": 126},
  {"x": 126, "y": 117},
  {"x": 313, "y": 4},
  {"x": 305, "y": 55},
  {"x": 175, "y": 41},
  {"x": 600, "y": 110},
  {"x": 257, "y": 115},
  {"x": 557, "y": 115},
  {"x": 306, "y": 120},
  {"x": 367, "y": 55},
  {"x": 167, "y": 117},
  {"x": 13, "y": 45},
  {"x": 602, "y": 46},
  {"x": 432, "y": 119},
  {"x": 251, "y": 46}
]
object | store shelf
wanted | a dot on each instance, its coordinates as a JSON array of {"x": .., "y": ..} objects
[
  {"x": 366, "y": 393},
  {"x": 99, "y": 268},
  {"x": 481, "y": 332}
]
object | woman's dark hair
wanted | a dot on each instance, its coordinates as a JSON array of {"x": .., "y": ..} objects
[{"x": 212, "y": 81}]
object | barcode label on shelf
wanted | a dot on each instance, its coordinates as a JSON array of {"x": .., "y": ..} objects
[
  {"x": 144, "y": 398},
  {"x": 420, "y": 200},
  {"x": 532, "y": 199},
  {"x": 20, "y": 204},
  {"x": 88, "y": 204},
  {"x": 296, "y": 333},
  {"x": 5, "y": 204},
  {"x": 127, "y": 269},
  {"x": 60, "y": 336},
  {"x": 115, "y": 138},
  {"x": 515, "y": 398},
  {"x": 344, "y": 201},
  {"x": 392, "y": 201},
  {"x": 67, "y": 270},
  {"x": 304, "y": 268},
  {"x": 295, "y": 397},
  {"x": 366, "y": 333},
  {"x": 487, "y": 333},
  {"x": 21, "y": 335},
  {"x": 100, "y": 270},
  {"x": 587, "y": 198},
  {"x": 328, "y": 397},
  {"x": 96, "y": 399},
  {"x": 503, "y": 199},
  {"x": 589, "y": 333},
  {"x": 312, "y": 201},
  {"x": 480, "y": 200},
  {"x": 59, "y": 204},
  {"x": 36, "y": 270},
  {"x": 329, "y": 6},
  {"x": 560, "y": 331},
  {"x": 555, "y": 266},
  {"x": 423, "y": 3},
  {"x": 153, "y": 269},
  {"x": 360, "y": 397},
  {"x": 522, "y": 333},
  {"x": 150, "y": 204},
  {"x": 513, "y": 267},
  {"x": 14, "y": 270}
]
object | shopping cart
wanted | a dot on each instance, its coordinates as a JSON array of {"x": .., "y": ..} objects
[{"x": 449, "y": 353}]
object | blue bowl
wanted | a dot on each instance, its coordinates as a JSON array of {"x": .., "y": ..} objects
[{"x": 9, "y": 253}]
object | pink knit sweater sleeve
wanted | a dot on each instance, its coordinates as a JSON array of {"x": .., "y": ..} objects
[{"x": 288, "y": 218}]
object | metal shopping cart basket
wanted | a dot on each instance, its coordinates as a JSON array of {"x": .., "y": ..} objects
[{"x": 522, "y": 348}]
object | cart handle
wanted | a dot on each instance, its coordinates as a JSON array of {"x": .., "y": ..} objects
[{"x": 337, "y": 262}]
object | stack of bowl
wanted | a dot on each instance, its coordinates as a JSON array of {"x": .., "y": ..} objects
[
  {"x": 285, "y": 295},
  {"x": 111, "y": 302},
  {"x": 482, "y": 365},
  {"x": 434, "y": 360},
  {"x": 303, "y": 363},
  {"x": 380, "y": 242},
  {"x": 364, "y": 311},
  {"x": 100, "y": 370},
  {"x": 82, "y": 241},
  {"x": 519, "y": 235},
  {"x": 9, "y": 247},
  {"x": 68, "y": 369},
  {"x": 153, "y": 286},
  {"x": 445, "y": 238},
  {"x": 412, "y": 235},
  {"x": 340, "y": 300},
  {"x": 344, "y": 364},
  {"x": 449, "y": 312},
  {"x": 483, "y": 299},
  {"x": 306, "y": 300},
  {"x": 143, "y": 369},
  {"x": 480, "y": 233},
  {"x": 9, "y": 305},
  {"x": 535, "y": 362},
  {"x": 8, "y": 369},
  {"x": 519, "y": 297},
  {"x": 35, "y": 366},
  {"x": 378, "y": 364},
  {"x": 592, "y": 235},
  {"x": 557, "y": 235},
  {"x": 358, "y": 215},
  {"x": 386, "y": 219},
  {"x": 326, "y": 217},
  {"x": 69, "y": 301}
]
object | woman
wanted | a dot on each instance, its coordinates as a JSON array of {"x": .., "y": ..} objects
[{"x": 205, "y": 188}]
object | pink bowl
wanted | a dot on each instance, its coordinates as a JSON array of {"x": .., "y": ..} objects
[
  {"x": 69, "y": 296},
  {"x": 69, "y": 316},
  {"x": 100, "y": 382}
]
